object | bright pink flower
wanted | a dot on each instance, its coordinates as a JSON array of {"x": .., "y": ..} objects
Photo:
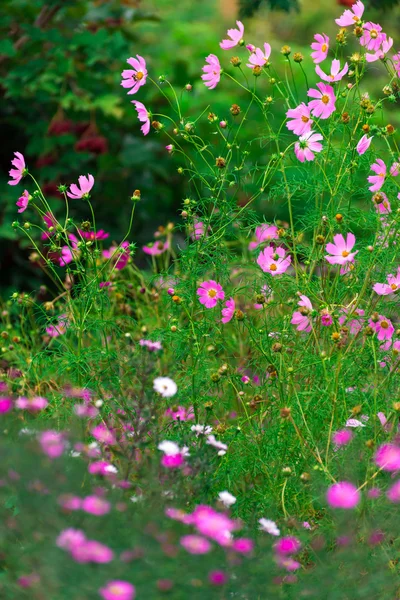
[
  {"x": 259, "y": 58},
  {"x": 172, "y": 461},
  {"x": 69, "y": 538},
  {"x": 212, "y": 72},
  {"x": 302, "y": 318},
  {"x": 103, "y": 434},
  {"x": 94, "y": 235},
  {"x": 217, "y": 577},
  {"x": 91, "y": 551},
  {"x": 118, "y": 590},
  {"x": 157, "y": 248},
  {"x": 393, "y": 493},
  {"x": 34, "y": 404},
  {"x": 120, "y": 254},
  {"x": 229, "y": 311},
  {"x": 68, "y": 253},
  {"x": 264, "y": 233},
  {"x": 51, "y": 223},
  {"x": 18, "y": 173},
  {"x": 377, "y": 180},
  {"x": 52, "y": 443},
  {"x": 195, "y": 544},
  {"x": 243, "y": 545},
  {"x": 59, "y": 328},
  {"x": 86, "y": 184},
  {"x": 143, "y": 116},
  {"x": 306, "y": 146},
  {"x": 213, "y": 524},
  {"x": 387, "y": 457},
  {"x": 136, "y": 77},
  {"x": 170, "y": 148},
  {"x": 336, "y": 74},
  {"x": 320, "y": 47},
  {"x": 387, "y": 43},
  {"x": 364, "y": 144},
  {"x": 383, "y": 328},
  {"x": 23, "y": 201},
  {"x": 5, "y": 404},
  {"x": 341, "y": 250},
  {"x": 287, "y": 545},
  {"x": 343, "y": 495},
  {"x": 326, "y": 319},
  {"x": 274, "y": 260},
  {"x": 180, "y": 413},
  {"x": 324, "y": 104},
  {"x": 342, "y": 437},
  {"x": 96, "y": 506},
  {"x": 209, "y": 293},
  {"x": 301, "y": 122},
  {"x": 392, "y": 285},
  {"x": 351, "y": 17},
  {"x": 372, "y": 37},
  {"x": 236, "y": 36}
]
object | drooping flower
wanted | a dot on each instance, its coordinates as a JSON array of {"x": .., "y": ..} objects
[
  {"x": 269, "y": 526},
  {"x": 377, "y": 180},
  {"x": 143, "y": 116},
  {"x": 324, "y": 104},
  {"x": 226, "y": 498},
  {"x": 320, "y": 47},
  {"x": 380, "y": 54},
  {"x": 118, "y": 590},
  {"x": 52, "y": 443},
  {"x": 236, "y": 36},
  {"x": 212, "y": 72},
  {"x": 341, "y": 249},
  {"x": 136, "y": 77},
  {"x": 383, "y": 327},
  {"x": 301, "y": 122},
  {"x": 351, "y": 17},
  {"x": 264, "y": 233},
  {"x": 20, "y": 170},
  {"x": 23, "y": 201},
  {"x": 343, "y": 495},
  {"x": 372, "y": 37},
  {"x": 229, "y": 311},
  {"x": 209, "y": 292},
  {"x": 387, "y": 457},
  {"x": 364, "y": 144},
  {"x": 195, "y": 544},
  {"x": 336, "y": 74},
  {"x": 86, "y": 184},
  {"x": 274, "y": 260},
  {"x": 165, "y": 386},
  {"x": 259, "y": 58},
  {"x": 306, "y": 146},
  {"x": 392, "y": 285},
  {"x": 302, "y": 317}
]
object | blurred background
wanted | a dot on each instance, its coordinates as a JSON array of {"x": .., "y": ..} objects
[{"x": 62, "y": 105}]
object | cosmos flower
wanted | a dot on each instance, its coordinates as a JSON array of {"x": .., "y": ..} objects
[
  {"x": 341, "y": 249},
  {"x": 351, "y": 17},
  {"x": 383, "y": 327},
  {"x": 229, "y": 311},
  {"x": 86, "y": 184},
  {"x": 195, "y": 544},
  {"x": 336, "y": 74},
  {"x": 387, "y": 457},
  {"x": 264, "y": 233},
  {"x": 118, "y": 590},
  {"x": 143, "y": 116},
  {"x": 302, "y": 317},
  {"x": 274, "y": 260},
  {"x": 259, "y": 58},
  {"x": 324, "y": 104},
  {"x": 209, "y": 292},
  {"x": 23, "y": 201},
  {"x": 306, "y": 146},
  {"x": 19, "y": 171},
  {"x": 212, "y": 72},
  {"x": 134, "y": 78},
  {"x": 364, "y": 144},
  {"x": 320, "y": 47},
  {"x": 372, "y": 37},
  {"x": 236, "y": 36},
  {"x": 377, "y": 180},
  {"x": 301, "y": 122},
  {"x": 392, "y": 285},
  {"x": 380, "y": 54},
  {"x": 343, "y": 495}
]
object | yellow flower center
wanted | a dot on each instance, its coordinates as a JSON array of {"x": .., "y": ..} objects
[
  {"x": 273, "y": 267},
  {"x": 212, "y": 293},
  {"x": 384, "y": 324},
  {"x": 345, "y": 253},
  {"x": 305, "y": 119},
  {"x": 374, "y": 34},
  {"x": 325, "y": 99},
  {"x": 138, "y": 76},
  {"x": 393, "y": 286},
  {"x": 324, "y": 47},
  {"x": 381, "y": 174}
]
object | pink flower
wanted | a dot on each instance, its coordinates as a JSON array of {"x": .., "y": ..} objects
[
  {"x": 380, "y": 54},
  {"x": 351, "y": 17},
  {"x": 320, "y": 47},
  {"x": 336, "y": 74},
  {"x": 324, "y": 104},
  {"x": 392, "y": 285},
  {"x": 301, "y": 122},
  {"x": 387, "y": 457},
  {"x": 287, "y": 545},
  {"x": 236, "y": 36},
  {"x": 86, "y": 184},
  {"x": 393, "y": 493},
  {"x": 382, "y": 204},
  {"x": 91, "y": 551},
  {"x": 217, "y": 578},
  {"x": 52, "y": 443},
  {"x": 5, "y": 405},
  {"x": 213, "y": 524},
  {"x": 264, "y": 233},
  {"x": 355, "y": 324},
  {"x": 94, "y": 235},
  {"x": 58, "y": 329},
  {"x": 23, "y": 201},
  {"x": 118, "y": 590},
  {"x": 20, "y": 170},
  {"x": 273, "y": 260},
  {"x": 364, "y": 144},
  {"x": 302, "y": 318},
  {"x": 195, "y": 544},
  {"x": 341, "y": 250},
  {"x": 396, "y": 63},
  {"x": 143, "y": 116},
  {"x": 68, "y": 253},
  {"x": 212, "y": 72},
  {"x": 136, "y": 77},
  {"x": 372, "y": 37},
  {"x": 243, "y": 545},
  {"x": 342, "y": 437},
  {"x": 96, "y": 506},
  {"x": 156, "y": 249},
  {"x": 170, "y": 148},
  {"x": 180, "y": 413},
  {"x": 173, "y": 461},
  {"x": 229, "y": 311},
  {"x": 259, "y": 58},
  {"x": 69, "y": 502},
  {"x": 326, "y": 319},
  {"x": 120, "y": 254},
  {"x": 151, "y": 346},
  {"x": 383, "y": 328},
  {"x": 34, "y": 404},
  {"x": 103, "y": 434},
  {"x": 377, "y": 180},
  {"x": 209, "y": 293},
  {"x": 69, "y": 538},
  {"x": 306, "y": 146},
  {"x": 287, "y": 562},
  {"x": 198, "y": 229},
  {"x": 343, "y": 495}
]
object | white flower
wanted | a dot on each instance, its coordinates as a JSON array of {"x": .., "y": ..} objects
[
  {"x": 111, "y": 469},
  {"x": 226, "y": 498},
  {"x": 211, "y": 441},
  {"x": 269, "y": 526},
  {"x": 169, "y": 448},
  {"x": 354, "y": 423},
  {"x": 201, "y": 429},
  {"x": 165, "y": 387}
]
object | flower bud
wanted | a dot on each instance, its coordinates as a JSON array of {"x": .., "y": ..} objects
[
  {"x": 286, "y": 50},
  {"x": 298, "y": 57},
  {"x": 235, "y": 109}
]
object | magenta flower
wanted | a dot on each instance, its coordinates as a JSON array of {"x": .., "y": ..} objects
[
  {"x": 341, "y": 249},
  {"x": 212, "y": 72},
  {"x": 264, "y": 233},
  {"x": 229, "y": 311},
  {"x": 326, "y": 319},
  {"x": 102, "y": 434},
  {"x": 336, "y": 74},
  {"x": 377, "y": 180},
  {"x": 195, "y": 544},
  {"x": 94, "y": 235},
  {"x": 118, "y": 590},
  {"x": 58, "y": 329},
  {"x": 383, "y": 327},
  {"x": 217, "y": 577},
  {"x": 136, "y": 77},
  {"x": 372, "y": 37},
  {"x": 143, "y": 116},
  {"x": 20, "y": 170},
  {"x": 287, "y": 545},
  {"x": 52, "y": 443},
  {"x": 342, "y": 437},
  {"x": 324, "y": 104},
  {"x": 392, "y": 285},
  {"x": 209, "y": 293},
  {"x": 387, "y": 457},
  {"x": 214, "y": 525},
  {"x": 259, "y": 58},
  {"x": 343, "y": 495},
  {"x": 380, "y": 54},
  {"x": 170, "y": 148},
  {"x": 5, "y": 404},
  {"x": 86, "y": 184},
  {"x": 273, "y": 260},
  {"x": 301, "y": 120},
  {"x": 351, "y": 17},
  {"x": 96, "y": 506},
  {"x": 393, "y": 493},
  {"x": 119, "y": 254},
  {"x": 68, "y": 252},
  {"x": 306, "y": 146},
  {"x": 198, "y": 229},
  {"x": 236, "y": 36},
  {"x": 243, "y": 545},
  {"x": 320, "y": 47},
  {"x": 364, "y": 144},
  {"x": 302, "y": 318},
  {"x": 23, "y": 201},
  {"x": 69, "y": 538}
]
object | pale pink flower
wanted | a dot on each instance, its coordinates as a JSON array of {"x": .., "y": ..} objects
[
  {"x": 229, "y": 311},
  {"x": 143, "y": 116},
  {"x": 212, "y": 72},
  {"x": 383, "y": 327},
  {"x": 259, "y": 58},
  {"x": 355, "y": 423},
  {"x": 264, "y": 233},
  {"x": 336, "y": 74},
  {"x": 209, "y": 292},
  {"x": 393, "y": 493},
  {"x": 372, "y": 37},
  {"x": 377, "y": 180},
  {"x": 364, "y": 144},
  {"x": 341, "y": 249},
  {"x": 102, "y": 434},
  {"x": 52, "y": 443},
  {"x": 86, "y": 184},
  {"x": 180, "y": 413},
  {"x": 156, "y": 248},
  {"x": 387, "y": 457},
  {"x": 195, "y": 544},
  {"x": 118, "y": 590},
  {"x": 59, "y": 328},
  {"x": 92, "y": 551},
  {"x": 34, "y": 404},
  {"x": 302, "y": 318},
  {"x": 212, "y": 441},
  {"x": 199, "y": 229},
  {"x": 351, "y": 17},
  {"x": 151, "y": 346},
  {"x": 23, "y": 201},
  {"x": 287, "y": 562},
  {"x": 387, "y": 426},
  {"x": 355, "y": 324},
  {"x": 250, "y": 47},
  {"x": 392, "y": 285},
  {"x": 287, "y": 545},
  {"x": 343, "y": 495},
  {"x": 396, "y": 63},
  {"x": 324, "y": 104},
  {"x": 136, "y": 77},
  {"x": 380, "y": 54},
  {"x": 236, "y": 36},
  {"x": 320, "y": 47},
  {"x": 306, "y": 146},
  {"x": 342, "y": 437},
  {"x": 69, "y": 538},
  {"x": 95, "y": 505},
  {"x": 20, "y": 170},
  {"x": 274, "y": 260},
  {"x": 269, "y": 526},
  {"x": 301, "y": 122}
]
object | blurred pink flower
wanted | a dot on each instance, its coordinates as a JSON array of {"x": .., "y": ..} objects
[
  {"x": 229, "y": 311},
  {"x": 320, "y": 47},
  {"x": 351, "y": 17},
  {"x": 343, "y": 495},
  {"x": 287, "y": 545},
  {"x": 5, "y": 404},
  {"x": 91, "y": 551},
  {"x": 102, "y": 434},
  {"x": 69, "y": 538},
  {"x": 264, "y": 233},
  {"x": 118, "y": 590},
  {"x": 156, "y": 248},
  {"x": 52, "y": 443},
  {"x": 212, "y": 72},
  {"x": 243, "y": 545},
  {"x": 143, "y": 116},
  {"x": 342, "y": 437},
  {"x": 95, "y": 505},
  {"x": 209, "y": 293},
  {"x": 195, "y": 544},
  {"x": 34, "y": 404},
  {"x": 119, "y": 254},
  {"x": 306, "y": 146},
  {"x": 18, "y": 173},
  {"x": 134, "y": 78},
  {"x": 393, "y": 493},
  {"x": 236, "y": 36},
  {"x": 387, "y": 457},
  {"x": 180, "y": 413}
]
